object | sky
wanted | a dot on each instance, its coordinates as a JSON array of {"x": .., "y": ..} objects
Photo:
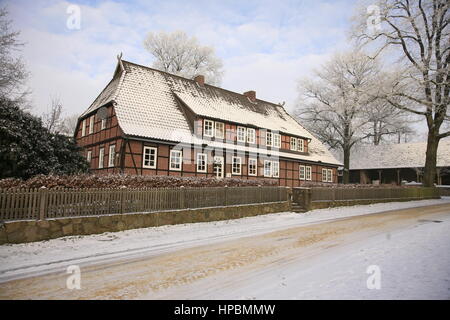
[{"x": 265, "y": 46}]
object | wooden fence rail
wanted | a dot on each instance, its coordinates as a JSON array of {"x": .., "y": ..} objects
[
  {"x": 338, "y": 194},
  {"x": 56, "y": 203}
]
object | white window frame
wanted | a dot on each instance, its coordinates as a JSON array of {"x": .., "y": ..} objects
[
  {"x": 253, "y": 162},
  {"x": 172, "y": 157},
  {"x": 293, "y": 144},
  {"x": 155, "y": 161},
  {"x": 89, "y": 156},
  {"x": 275, "y": 169},
  {"x": 269, "y": 172},
  {"x": 91, "y": 125},
  {"x": 302, "y": 172},
  {"x": 330, "y": 175},
  {"x": 103, "y": 125},
  {"x": 236, "y": 163},
  {"x": 83, "y": 128},
  {"x": 216, "y": 130},
  {"x": 219, "y": 159},
  {"x": 277, "y": 140},
  {"x": 242, "y": 130},
  {"x": 308, "y": 173},
  {"x": 111, "y": 155},
  {"x": 205, "y": 121},
  {"x": 252, "y": 135},
  {"x": 269, "y": 141},
  {"x": 324, "y": 175},
  {"x": 101, "y": 157},
  {"x": 202, "y": 161},
  {"x": 301, "y": 145}
]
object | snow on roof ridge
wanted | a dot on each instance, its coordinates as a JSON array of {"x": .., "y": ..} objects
[{"x": 206, "y": 84}]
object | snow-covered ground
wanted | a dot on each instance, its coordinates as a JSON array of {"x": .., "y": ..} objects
[
  {"x": 21, "y": 260},
  {"x": 413, "y": 263}
]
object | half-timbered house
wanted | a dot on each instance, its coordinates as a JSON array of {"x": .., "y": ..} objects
[{"x": 149, "y": 122}]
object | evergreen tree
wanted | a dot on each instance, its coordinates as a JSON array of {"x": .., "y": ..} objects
[{"x": 27, "y": 148}]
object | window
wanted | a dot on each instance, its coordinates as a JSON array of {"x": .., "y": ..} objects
[
  {"x": 241, "y": 134},
  {"x": 112, "y": 155},
  {"x": 208, "y": 128},
  {"x": 267, "y": 168},
  {"x": 330, "y": 175},
  {"x": 236, "y": 165},
  {"x": 83, "y": 128},
  {"x": 269, "y": 138},
  {"x": 324, "y": 175},
  {"x": 176, "y": 156},
  {"x": 89, "y": 156},
  {"x": 101, "y": 157},
  {"x": 275, "y": 169},
  {"x": 277, "y": 140},
  {"x": 201, "y": 162},
  {"x": 220, "y": 130},
  {"x": 301, "y": 172},
  {"x": 103, "y": 126},
  {"x": 251, "y": 135},
  {"x": 301, "y": 145},
  {"x": 91, "y": 125},
  {"x": 293, "y": 143},
  {"x": 308, "y": 174},
  {"x": 252, "y": 167},
  {"x": 150, "y": 156}
]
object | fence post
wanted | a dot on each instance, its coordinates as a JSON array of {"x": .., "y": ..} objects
[
  {"x": 182, "y": 197},
  {"x": 43, "y": 195},
  {"x": 226, "y": 195},
  {"x": 260, "y": 194},
  {"x": 122, "y": 198}
]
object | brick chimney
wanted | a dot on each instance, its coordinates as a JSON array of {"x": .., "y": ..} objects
[
  {"x": 251, "y": 95},
  {"x": 200, "y": 79}
]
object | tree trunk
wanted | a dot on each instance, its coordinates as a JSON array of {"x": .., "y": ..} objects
[
  {"x": 429, "y": 174},
  {"x": 346, "y": 176}
]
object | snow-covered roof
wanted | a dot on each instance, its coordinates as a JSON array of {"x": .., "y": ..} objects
[
  {"x": 403, "y": 155},
  {"x": 147, "y": 104}
]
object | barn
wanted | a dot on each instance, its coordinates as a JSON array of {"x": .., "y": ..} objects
[
  {"x": 149, "y": 122},
  {"x": 392, "y": 164}
]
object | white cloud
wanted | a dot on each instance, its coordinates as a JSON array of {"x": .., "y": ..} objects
[{"x": 265, "y": 45}]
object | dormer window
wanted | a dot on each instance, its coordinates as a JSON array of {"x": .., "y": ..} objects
[
  {"x": 293, "y": 144},
  {"x": 277, "y": 140},
  {"x": 251, "y": 135},
  {"x": 208, "y": 130},
  {"x": 301, "y": 145},
  {"x": 220, "y": 130},
  {"x": 269, "y": 139},
  {"x": 241, "y": 134}
]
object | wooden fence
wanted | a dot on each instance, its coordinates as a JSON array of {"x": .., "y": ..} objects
[
  {"x": 340, "y": 194},
  {"x": 56, "y": 203}
]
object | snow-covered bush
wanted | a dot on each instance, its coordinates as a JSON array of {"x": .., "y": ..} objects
[{"x": 130, "y": 181}]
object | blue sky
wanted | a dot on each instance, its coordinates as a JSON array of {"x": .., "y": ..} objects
[{"x": 265, "y": 46}]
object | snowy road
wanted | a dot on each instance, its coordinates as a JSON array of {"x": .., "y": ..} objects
[{"x": 323, "y": 254}]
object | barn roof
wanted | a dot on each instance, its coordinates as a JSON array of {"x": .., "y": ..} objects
[
  {"x": 403, "y": 155},
  {"x": 147, "y": 104}
]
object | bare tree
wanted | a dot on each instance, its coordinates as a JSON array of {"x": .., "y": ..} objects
[
  {"x": 419, "y": 32},
  {"x": 178, "y": 54},
  {"x": 333, "y": 106},
  {"x": 12, "y": 69},
  {"x": 69, "y": 125},
  {"x": 387, "y": 122},
  {"x": 52, "y": 119}
]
